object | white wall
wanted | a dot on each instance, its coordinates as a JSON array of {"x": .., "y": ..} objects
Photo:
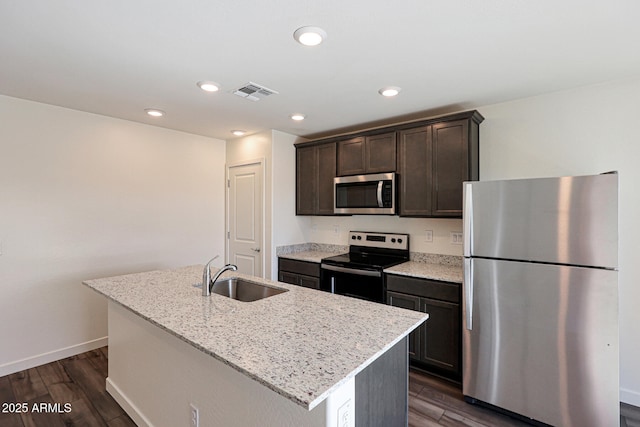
[
  {"x": 85, "y": 196},
  {"x": 282, "y": 226},
  {"x": 287, "y": 227},
  {"x": 257, "y": 147},
  {"x": 583, "y": 131}
]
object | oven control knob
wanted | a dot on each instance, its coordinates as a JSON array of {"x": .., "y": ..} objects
[
  {"x": 399, "y": 240},
  {"x": 393, "y": 240},
  {"x": 359, "y": 237},
  {"x": 353, "y": 237}
]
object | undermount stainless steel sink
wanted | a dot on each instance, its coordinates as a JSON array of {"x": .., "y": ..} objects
[{"x": 243, "y": 290}]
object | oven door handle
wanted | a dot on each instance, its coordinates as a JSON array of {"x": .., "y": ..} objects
[{"x": 351, "y": 270}]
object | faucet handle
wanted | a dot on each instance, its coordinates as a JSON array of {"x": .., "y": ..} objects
[
  {"x": 206, "y": 276},
  {"x": 213, "y": 259}
]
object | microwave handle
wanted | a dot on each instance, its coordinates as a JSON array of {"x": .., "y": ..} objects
[{"x": 380, "y": 183}]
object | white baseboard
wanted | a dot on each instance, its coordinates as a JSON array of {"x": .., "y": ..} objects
[
  {"x": 630, "y": 397},
  {"x": 129, "y": 407},
  {"x": 52, "y": 356}
]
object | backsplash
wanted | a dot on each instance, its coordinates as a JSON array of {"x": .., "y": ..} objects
[
  {"x": 452, "y": 260},
  {"x": 335, "y": 230}
]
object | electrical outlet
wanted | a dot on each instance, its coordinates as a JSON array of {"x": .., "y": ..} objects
[
  {"x": 456, "y": 237},
  {"x": 428, "y": 236},
  {"x": 195, "y": 416},
  {"x": 344, "y": 415}
]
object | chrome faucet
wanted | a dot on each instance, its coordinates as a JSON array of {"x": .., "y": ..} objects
[{"x": 207, "y": 281}]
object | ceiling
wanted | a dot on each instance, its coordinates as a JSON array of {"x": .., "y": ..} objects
[{"x": 118, "y": 57}]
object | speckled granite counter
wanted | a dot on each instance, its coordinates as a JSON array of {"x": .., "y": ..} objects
[
  {"x": 310, "y": 256},
  {"x": 447, "y": 268},
  {"x": 424, "y": 270},
  {"x": 311, "y": 252},
  {"x": 301, "y": 353}
]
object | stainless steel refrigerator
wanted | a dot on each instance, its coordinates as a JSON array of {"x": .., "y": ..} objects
[{"x": 540, "y": 322}]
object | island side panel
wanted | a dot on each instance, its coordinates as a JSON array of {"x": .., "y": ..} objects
[
  {"x": 156, "y": 376},
  {"x": 382, "y": 389}
]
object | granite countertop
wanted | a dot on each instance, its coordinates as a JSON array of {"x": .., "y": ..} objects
[
  {"x": 311, "y": 252},
  {"x": 446, "y": 268},
  {"x": 310, "y": 256},
  {"x": 425, "y": 270},
  {"x": 303, "y": 344}
]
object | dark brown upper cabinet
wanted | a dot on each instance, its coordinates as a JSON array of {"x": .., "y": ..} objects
[
  {"x": 414, "y": 171},
  {"x": 315, "y": 170},
  {"x": 367, "y": 154},
  {"x": 432, "y": 158},
  {"x": 433, "y": 162}
]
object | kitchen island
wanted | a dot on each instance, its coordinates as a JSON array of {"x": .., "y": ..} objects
[{"x": 303, "y": 357}]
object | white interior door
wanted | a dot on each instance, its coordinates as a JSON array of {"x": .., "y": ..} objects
[{"x": 245, "y": 217}]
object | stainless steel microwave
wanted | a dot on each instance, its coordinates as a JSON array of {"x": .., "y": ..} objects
[{"x": 373, "y": 194}]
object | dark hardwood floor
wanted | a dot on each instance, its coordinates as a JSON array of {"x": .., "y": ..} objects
[
  {"x": 79, "y": 382},
  {"x": 76, "y": 384},
  {"x": 435, "y": 402}
]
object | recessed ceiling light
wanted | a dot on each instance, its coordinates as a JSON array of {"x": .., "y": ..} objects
[
  {"x": 310, "y": 36},
  {"x": 238, "y": 132},
  {"x": 209, "y": 86},
  {"x": 153, "y": 112},
  {"x": 297, "y": 117},
  {"x": 389, "y": 91}
]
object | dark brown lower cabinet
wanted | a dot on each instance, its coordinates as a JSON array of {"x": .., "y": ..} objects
[
  {"x": 435, "y": 346},
  {"x": 301, "y": 273},
  {"x": 409, "y": 302}
]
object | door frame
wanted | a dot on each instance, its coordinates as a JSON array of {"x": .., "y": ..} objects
[{"x": 227, "y": 233}]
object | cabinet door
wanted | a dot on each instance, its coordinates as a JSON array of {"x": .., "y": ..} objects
[
  {"x": 412, "y": 303},
  {"x": 440, "y": 339},
  {"x": 380, "y": 153},
  {"x": 290, "y": 278},
  {"x": 306, "y": 180},
  {"x": 414, "y": 170},
  {"x": 450, "y": 166},
  {"x": 351, "y": 157},
  {"x": 326, "y": 167}
]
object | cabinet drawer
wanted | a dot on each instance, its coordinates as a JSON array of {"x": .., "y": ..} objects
[
  {"x": 300, "y": 267},
  {"x": 443, "y": 291}
]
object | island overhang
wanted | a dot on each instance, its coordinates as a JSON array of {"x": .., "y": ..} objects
[{"x": 303, "y": 344}]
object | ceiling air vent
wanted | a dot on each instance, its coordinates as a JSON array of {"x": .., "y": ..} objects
[{"x": 254, "y": 92}]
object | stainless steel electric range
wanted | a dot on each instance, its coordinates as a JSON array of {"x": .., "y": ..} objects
[{"x": 358, "y": 273}]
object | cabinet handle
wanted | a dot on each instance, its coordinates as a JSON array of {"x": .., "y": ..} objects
[
  {"x": 255, "y": 249},
  {"x": 467, "y": 215},
  {"x": 468, "y": 292}
]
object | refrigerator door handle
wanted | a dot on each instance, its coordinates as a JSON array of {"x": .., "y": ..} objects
[
  {"x": 467, "y": 216},
  {"x": 468, "y": 293}
]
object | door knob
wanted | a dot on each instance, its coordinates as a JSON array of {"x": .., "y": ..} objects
[{"x": 255, "y": 249}]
